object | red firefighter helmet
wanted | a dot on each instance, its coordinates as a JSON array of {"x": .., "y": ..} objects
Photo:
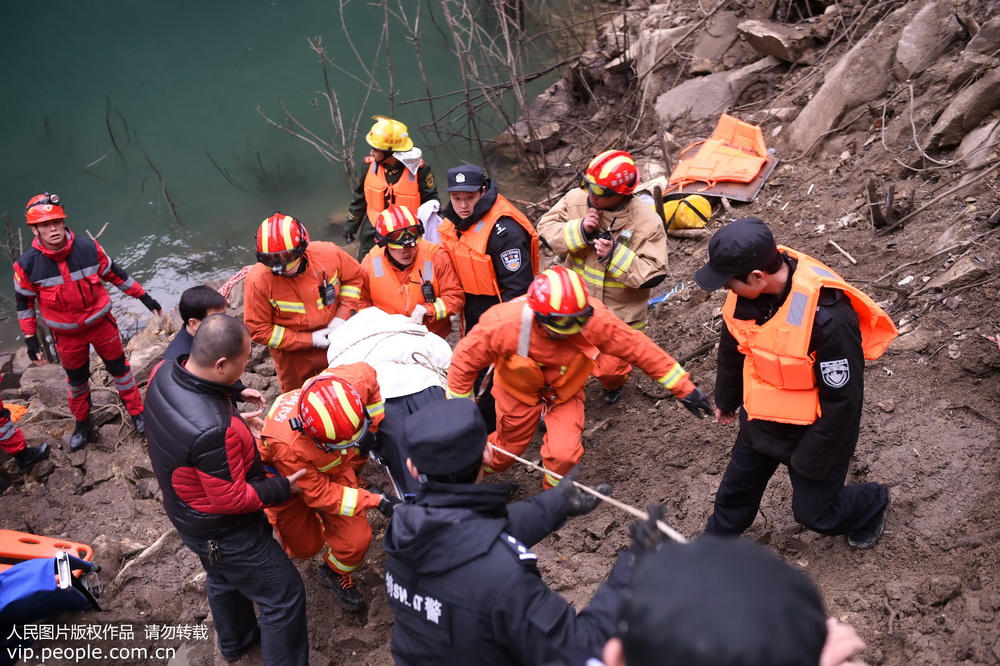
[
  {"x": 610, "y": 173},
  {"x": 397, "y": 226},
  {"x": 281, "y": 239},
  {"x": 558, "y": 297},
  {"x": 44, "y": 207},
  {"x": 332, "y": 413}
]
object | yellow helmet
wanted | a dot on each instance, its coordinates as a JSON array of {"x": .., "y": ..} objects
[
  {"x": 389, "y": 134},
  {"x": 690, "y": 212}
]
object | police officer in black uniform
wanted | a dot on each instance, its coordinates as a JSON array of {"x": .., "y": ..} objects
[
  {"x": 744, "y": 259},
  {"x": 462, "y": 584}
]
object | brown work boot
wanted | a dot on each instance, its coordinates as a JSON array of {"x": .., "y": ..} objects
[{"x": 343, "y": 587}]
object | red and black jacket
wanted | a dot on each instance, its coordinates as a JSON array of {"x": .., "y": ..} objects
[
  {"x": 68, "y": 285},
  {"x": 204, "y": 455}
]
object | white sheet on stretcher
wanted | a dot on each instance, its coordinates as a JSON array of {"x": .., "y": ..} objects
[{"x": 388, "y": 343}]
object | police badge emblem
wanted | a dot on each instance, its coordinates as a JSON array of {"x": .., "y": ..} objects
[
  {"x": 835, "y": 373},
  {"x": 511, "y": 259}
]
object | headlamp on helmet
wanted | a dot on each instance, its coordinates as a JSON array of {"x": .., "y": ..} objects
[
  {"x": 44, "y": 207},
  {"x": 332, "y": 413},
  {"x": 281, "y": 241},
  {"x": 397, "y": 228}
]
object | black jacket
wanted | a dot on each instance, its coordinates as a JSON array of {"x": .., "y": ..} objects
[
  {"x": 506, "y": 235},
  {"x": 463, "y": 593},
  {"x": 204, "y": 456},
  {"x": 814, "y": 449}
]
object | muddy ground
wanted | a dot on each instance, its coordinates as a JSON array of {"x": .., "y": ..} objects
[{"x": 928, "y": 593}]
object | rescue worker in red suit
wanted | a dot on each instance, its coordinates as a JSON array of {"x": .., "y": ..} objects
[
  {"x": 394, "y": 174},
  {"x": 63, "y": 273},
  {"x": 616, "y": 243},
  {"x": 792, "y": 355},
  {"x": 319, "y": 428},
  {"x": 543, "y": 348},
  {"x": 406, "y": 274},
  {"x": 296, "y": 296},
  {"x": 12, "y": 443}
]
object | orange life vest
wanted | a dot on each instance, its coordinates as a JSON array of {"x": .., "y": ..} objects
[
  {"x": 779, "y": 382},
  {"x": 404, "y": 192},
  {"x": 388, "y": 294},
  {"x": 468, "y": 253},
  {"x": 522, "y": 377}
]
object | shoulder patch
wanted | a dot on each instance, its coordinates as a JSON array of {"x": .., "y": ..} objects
[
  {"x": 835, "y": 373},
  {"x": 511, "y": 259}
]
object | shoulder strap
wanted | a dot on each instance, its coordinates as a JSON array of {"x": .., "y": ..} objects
[
  {"x": 519, "y": 548},
  {"x": 524, "y": 336}
]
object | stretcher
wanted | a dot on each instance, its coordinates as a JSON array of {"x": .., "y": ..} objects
[{"x": 16, "y": 547}]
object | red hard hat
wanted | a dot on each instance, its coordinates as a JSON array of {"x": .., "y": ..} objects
[
  {"x": 612, "y": 170},
  {"x": 44, "y": 207},
  {"x": 558, "y": 291},
  {"x": 281, "y": 239},
  {"x": 332, "y": 413},
  {"x": 392, "y": 225}
]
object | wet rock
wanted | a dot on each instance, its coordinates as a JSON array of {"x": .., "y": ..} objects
[
  {"x": 966, "y": 111},
  {"x": 785, "y": 42},
  {"x": 925, "y": 38},
  {"x": 939, "y": 590},
  {"x": 708, "y": 96}
]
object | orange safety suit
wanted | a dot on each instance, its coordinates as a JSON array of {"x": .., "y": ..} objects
[
  {"x": 468, "y": 251},
  {"x": 331, "y": 506},
  {"x": 405, "y": 192},
  {"x": 282, "y": 312},
  {"x": 622, "y": 281},
  {"x": 398, "y": 291},
  {"x": 779, "y": 380},
  {"x": 523, "y": 394}
]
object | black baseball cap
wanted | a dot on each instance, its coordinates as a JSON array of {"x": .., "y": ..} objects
[
  {"x": 721, "y": 601},
  {"x": 446, "y": 436},
  {"x": 739, "y": 248},
  {"x": 466, "y": 178}
]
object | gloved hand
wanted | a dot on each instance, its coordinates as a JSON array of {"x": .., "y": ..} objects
[
  {"x": 388, "y": 504},
  {"x": 335, "y": 323},
  {"x": 646, "y": 536},
  {"x": 417, "y": 316},
  {"x": 370, "y": 442},
  {"x": 151, "y": 303},
  {"x": 34, "y": 348},
  {"x": 580, "y": 502},
  {"x": 348, "y": 236},
  {"x": 320, "y": 338},
  {"x": 697, "y": 403}
]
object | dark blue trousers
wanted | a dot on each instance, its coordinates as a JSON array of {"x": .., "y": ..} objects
[
  {"x": 251, "y": 567},
  {"x": 823, "y": 505}
]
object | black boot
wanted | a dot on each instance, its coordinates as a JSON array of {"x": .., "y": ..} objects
[
  {"x": 611, "y": 396},
  {"x": 80, "y": 434},
  {"x": 31, "y": 456},
  {"x": 140, "y": 424},
  {"x": 343, "y": 587}
]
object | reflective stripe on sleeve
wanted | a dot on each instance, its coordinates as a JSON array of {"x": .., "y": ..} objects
[
  {"x": 671, "y": 379},
  {"x": 573, "y": 235},
  {"x": 350, "y": 291},
  {"x": 440, "y": 310},
  {"x": 276, "y": 336},
  {"x": 349, "y": 502},
  {"x": 452, "y": 394},
  {"x": 621, "y": 261}
]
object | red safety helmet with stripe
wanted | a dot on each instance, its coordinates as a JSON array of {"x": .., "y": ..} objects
[
  {"x": 44, "y": 207},
  {"x": 332, "y": 413},
  {"x": 397, "y": 226},
  {"x": 281, "y": 240},
  {"x": 612, "y": 172},
  {"x": 559, "y": 299}
]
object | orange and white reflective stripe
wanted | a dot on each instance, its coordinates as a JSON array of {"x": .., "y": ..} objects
[
  {"x": 289, "y": 306},
  {"x": 573, "y": 235},
  {"x": 671, "y": 379},
  {"x": 338, "y": 565},
  {"x": 375, "y": 409},
  {"x": 276, "y": 336},
  {"x": 350, "y": 291},
  {"x": 451, "y": 394},
  {"x": 440, "y": 310},
  {"x": 329, "y": 466},
  {"x": 349, "y": 502},
  {"x": 621, "y": 261}
]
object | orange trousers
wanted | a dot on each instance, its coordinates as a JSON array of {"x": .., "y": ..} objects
[
  {"x": 562, "y": 445},
  {"x": 611, "y": 371},
  {"x": 302, "y": 530},
  {"x": 295, "y": 367}
]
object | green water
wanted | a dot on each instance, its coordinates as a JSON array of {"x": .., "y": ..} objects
[{"x": 185, "y": 79}]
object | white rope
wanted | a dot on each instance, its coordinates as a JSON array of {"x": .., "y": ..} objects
[{"x": 642, "y": 515}]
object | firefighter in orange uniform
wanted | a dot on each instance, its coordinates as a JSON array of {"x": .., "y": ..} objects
[
  {"x": 297, "y": 295},
  {"x": 394, "y": 174},
  {"x": 543, "y": 348},
  {"x": 408, "y": 275},
  {"x": 319, "y": 428},
  {"x": 616, "y": 243}
]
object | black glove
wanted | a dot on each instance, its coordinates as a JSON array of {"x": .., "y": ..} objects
[
  {"x": 370, "y": 442},
  {"x": 151, "y": 304},
  {"x": 579, "y": 502},
  {"x": 348, "y": 236},
  {"x": 34, "y": 348},
  {"x": 388, "y": 504},
  {"x": 697, "y": 403},
  {"x": 646, "y": 536}
]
